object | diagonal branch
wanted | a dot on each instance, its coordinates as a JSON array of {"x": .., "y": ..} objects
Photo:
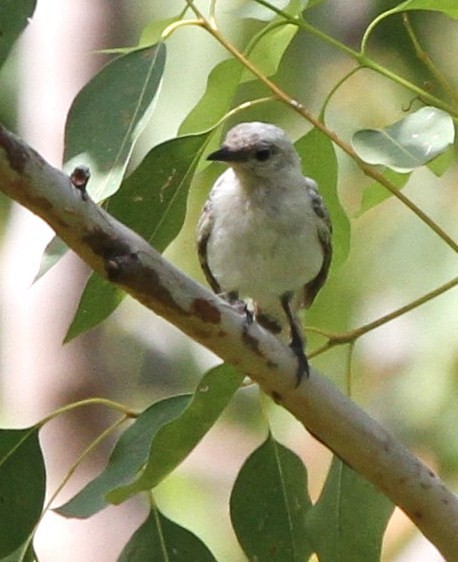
[{"x": 127, "y": 260}]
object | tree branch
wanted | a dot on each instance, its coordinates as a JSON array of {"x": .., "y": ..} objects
[{"x": 127, "y": 260}]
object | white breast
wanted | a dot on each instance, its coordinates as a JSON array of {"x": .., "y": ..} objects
[{"x": 263, "y": 242}]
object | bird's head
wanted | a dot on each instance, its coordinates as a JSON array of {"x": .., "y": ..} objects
[{"x": 258, "y": 150}]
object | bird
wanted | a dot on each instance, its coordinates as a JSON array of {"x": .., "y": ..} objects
[{"x": 264, "y": 233}]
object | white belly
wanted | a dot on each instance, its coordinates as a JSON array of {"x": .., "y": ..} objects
[{"x": 264, "y": 253}]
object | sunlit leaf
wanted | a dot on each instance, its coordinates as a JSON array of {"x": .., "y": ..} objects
[
  {"x": 130, "y": 453},
  {"x": 447, "y": 7},
  {"x": 173, "y": 443},
  {"x": 108, "y": 116},
  {"x": 375, "y": 193},
  {"x": 152, "y": 33},
  {"x": 296, "y": 7},
  {"x": 254, "y": 10},
  {"x": 14, "y": 17},
  {"x": 55, "y": 249},
  {"x": 152, "y": 202},
  {"x": 160, "y": 540},
  {"x": 269, "y": 503},
  {"x": 216, "y": 100},
  {"x": 268, "y": 52},
  {"x": 22, "y": 486},
  {"x": 408, "y": 143},
  {"x": 349, "y": 519},
  {"x": 319, "y": 162}
]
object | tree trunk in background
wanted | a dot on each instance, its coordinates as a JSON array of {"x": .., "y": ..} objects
[{"x": 38, "y": 374}]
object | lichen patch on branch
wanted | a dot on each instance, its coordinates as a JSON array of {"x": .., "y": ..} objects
[{"x": 206, "y": 311}]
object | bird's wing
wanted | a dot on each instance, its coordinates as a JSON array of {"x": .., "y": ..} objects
[
  {"x": 204, "y": 229},
  {"x": 324, "y": 227}
]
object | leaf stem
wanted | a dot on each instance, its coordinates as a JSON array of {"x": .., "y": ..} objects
[
  {"x": 370, "y": 28},
  {"x": 83, "y": 455},
  {"x": 348, "y": 371},
  {"x": 335, "y": 88},
  {"x": 351, "y": 336},
  {"x": 71, "y": 471},
  {"x": 177, "y": 25},
  {"x": 361, "y": 57},
  {"x": 424, "y": 57},
  {"x": 89, "y": 402},
  {"x": 246, "y": 105}
]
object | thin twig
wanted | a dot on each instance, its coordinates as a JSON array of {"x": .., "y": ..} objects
[
  {"x": 89, "y": 402},
  {"x": 304, "y": 112},
  {"x": 352, "y": 335},
  {"x": 71, "y": 471},
  {"x": 427, "y": 61}
]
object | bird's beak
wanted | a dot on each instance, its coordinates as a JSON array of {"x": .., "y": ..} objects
[{"x": 225, "y": 154}]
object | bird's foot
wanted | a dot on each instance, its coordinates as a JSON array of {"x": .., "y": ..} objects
[
  {"x": 240, "y": 305},
  {"x": 249, "y": 315},
  {"x": 297, "y": 340},
  {"x": 303, "y": 368}
]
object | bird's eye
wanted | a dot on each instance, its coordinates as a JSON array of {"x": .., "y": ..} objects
[{"x": 263, "y": 154}]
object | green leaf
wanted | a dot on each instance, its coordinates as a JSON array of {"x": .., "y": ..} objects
[
  {"x": 447, "y": 7},
  {"x": 160, "y": 540},
  {"x": 374, "y": 193},
  {"x": 152, "y": 33},
  {"x": 313, "y": 3},
  {"x": 24, "y": 553},
  {"x": 442, "y": 163},
  {"x": 108, "y": 116},
  {"x": 129, "y": 455},
  {"x": 408, "y": 143},
  {"x": 349, "y": 519},
  {"x": 216, "y": 100},
  {"x": 151, "y": 201},
  {"x": 319, "y": 162},
  {"x": 99, "y": 299},
  {"x": 173, "y": 443},
  {"x": 22, "y": 486},
  {"x": 253, "y": 10},
  {"x": 15, "y": 15},
  {"x": 54, "y": 251},
  {"x": 269, "y": 503},
  {"x": 267, "y": 53}
]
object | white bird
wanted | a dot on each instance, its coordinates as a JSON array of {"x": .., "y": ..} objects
[{"x": 264, "y": 233}]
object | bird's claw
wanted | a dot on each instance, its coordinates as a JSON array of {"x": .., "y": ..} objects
[
  {"x": 240, "y": 305},
  {"x": 249, "y": 315},
  {"x": 303, "y": 368}
]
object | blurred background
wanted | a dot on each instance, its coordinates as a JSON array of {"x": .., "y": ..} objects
[{"x": 405, "y": 374}]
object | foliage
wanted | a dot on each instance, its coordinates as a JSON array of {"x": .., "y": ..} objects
[{"x": 271, "y": 511}]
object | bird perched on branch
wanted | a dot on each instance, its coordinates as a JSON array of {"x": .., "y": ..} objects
[{"x": 264, "y": 233}]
